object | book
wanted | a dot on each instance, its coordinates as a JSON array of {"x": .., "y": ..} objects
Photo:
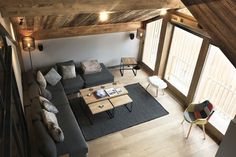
[
  {"x": 111, "y": 92},
  {"x": 118, "y": 90}
]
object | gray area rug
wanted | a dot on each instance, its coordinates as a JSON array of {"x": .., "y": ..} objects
[{"x": 145, "y": 108}]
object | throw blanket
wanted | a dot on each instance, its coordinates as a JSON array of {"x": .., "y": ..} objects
[{"x": 91, "y": 66}]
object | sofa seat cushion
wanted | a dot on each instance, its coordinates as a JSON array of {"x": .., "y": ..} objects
[
  {"x": 74, "y": 142},
  {"x": 59, "y": 99},
  {"x": 57, "y": 87},
  {"x": 105, "y": 76},
  {"x": 73, "y": 85}
]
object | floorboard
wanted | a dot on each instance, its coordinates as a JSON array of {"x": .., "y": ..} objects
[{"x": 162, "y": 137}]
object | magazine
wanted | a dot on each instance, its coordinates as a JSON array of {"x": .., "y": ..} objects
[{"x": 111, "y": 91}]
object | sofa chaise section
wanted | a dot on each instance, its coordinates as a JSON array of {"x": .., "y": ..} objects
[{"x": 105, "y": 76}]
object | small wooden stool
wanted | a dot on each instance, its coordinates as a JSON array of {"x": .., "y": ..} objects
[{"x": 158, "y": 83}]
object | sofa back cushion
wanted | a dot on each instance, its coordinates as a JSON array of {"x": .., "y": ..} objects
[
  {"x": 67, "y": 63},
  {"x": 68, "y": 72}
]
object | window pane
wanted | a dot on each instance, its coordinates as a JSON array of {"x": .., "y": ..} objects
[
  {"x": 184, "y": 51},
  {"x": 151, "y": 43},
  {"x": 218, "y": 83}
]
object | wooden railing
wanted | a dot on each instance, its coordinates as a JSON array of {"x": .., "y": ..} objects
[
  {"x": 182, "y": 72},
  {"x": 223, "y": 97}
]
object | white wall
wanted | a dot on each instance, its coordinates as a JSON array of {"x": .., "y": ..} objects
[{"x": 106, "y": 48}]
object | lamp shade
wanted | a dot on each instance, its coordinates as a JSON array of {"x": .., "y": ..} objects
[{"x": 28, "y": 43}]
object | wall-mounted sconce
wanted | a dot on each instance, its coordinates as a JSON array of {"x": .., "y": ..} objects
[
  {"x": 28, "y": 44},
  {"x": 140, "y": 33},
  {"x": 40, "y": 47},
  {"x": 131, "y": 36}
]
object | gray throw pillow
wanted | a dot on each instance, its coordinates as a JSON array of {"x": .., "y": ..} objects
[
  {"x": 50, "y": 121},
  {"x": 68, "y": 71},
  {"x": 41, "y": 80},
  {"x": 45, "y": 93},
  {"x": 47, "y": 105},
  {"x": 52, "y": 77}
]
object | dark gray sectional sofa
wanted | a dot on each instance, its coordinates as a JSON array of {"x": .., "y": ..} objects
[{"x": 74, "y": 143}]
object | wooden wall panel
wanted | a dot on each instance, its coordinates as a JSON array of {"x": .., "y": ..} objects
[
  {"x": 86, "y": 30},
  {"x": 218, "y": 18},
  {"x": 59, "y": 7}
]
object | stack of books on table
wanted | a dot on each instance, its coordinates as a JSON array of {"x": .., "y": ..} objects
[{"x": 113, "y": 91}]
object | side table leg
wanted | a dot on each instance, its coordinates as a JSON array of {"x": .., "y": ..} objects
[
  {"x": 121, "y": 67},
  {"x": 135, "y": 72}
]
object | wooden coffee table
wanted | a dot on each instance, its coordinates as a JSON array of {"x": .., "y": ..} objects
[{"x": 108, "y": 103}]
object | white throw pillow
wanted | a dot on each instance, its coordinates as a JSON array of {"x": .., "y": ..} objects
[
  {"x": 50, "y": 120},
  {"x": 68, "y": 71},
  {"x": 52, "y": 77},
  {"x": 41, "y": 80},
  {"x": 49, "y": 117},
  {"x": 47, "y": 105}
]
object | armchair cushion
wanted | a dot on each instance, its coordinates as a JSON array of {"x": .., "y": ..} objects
[{"x": 201, "y": 111}]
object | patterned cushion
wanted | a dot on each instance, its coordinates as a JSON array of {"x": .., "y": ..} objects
[
  {"x": 47, "y": 105},
  {"x": 202, "y": 111}
]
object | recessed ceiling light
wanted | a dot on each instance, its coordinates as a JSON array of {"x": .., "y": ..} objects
[
  {"x": 163, "y": 11},
  {"x": 103, "y": 16}
]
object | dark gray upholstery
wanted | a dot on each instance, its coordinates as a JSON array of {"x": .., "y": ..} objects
[
  {"x": 36, "y": 110},
  {"x": 59, "y": 99},
  {"x": 74, "y": 141},
  {"x": 46, "y": 145},
  {"x": 73, "y": 144},
  {"x": 73, "y": 85},
  {"x": 105, "y": 76},
  {"x": 33, "y": 90},
  {"x": 57, "y": 87}
]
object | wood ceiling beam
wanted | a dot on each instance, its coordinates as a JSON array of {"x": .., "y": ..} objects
[
  {"x": 218, "y": 18},
  {"x": 86, "y": 30},
  {"x": 11, "y": 8}
]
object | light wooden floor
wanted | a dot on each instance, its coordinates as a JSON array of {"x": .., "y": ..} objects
[{"x": 162, "y": 137}]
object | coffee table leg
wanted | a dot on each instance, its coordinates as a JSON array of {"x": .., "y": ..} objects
[
  {"x": 131, "y": 107},
  {"x": 111, "y": 113}
]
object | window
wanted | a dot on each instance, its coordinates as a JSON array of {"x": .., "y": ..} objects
[
  {"x": 218, "y": 84},
  {"x": 183, "y": 55},
  {"x": 151, "y": 43}
]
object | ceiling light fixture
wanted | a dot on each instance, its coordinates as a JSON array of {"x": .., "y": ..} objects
[
  {"x": 163, "y": 11},
  {"x": 103, "y": 16}
]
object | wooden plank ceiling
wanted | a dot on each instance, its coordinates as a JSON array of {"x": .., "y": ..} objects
[
  {"x": 45, "y": 19},
  {"x": 218, "y": 18}
]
